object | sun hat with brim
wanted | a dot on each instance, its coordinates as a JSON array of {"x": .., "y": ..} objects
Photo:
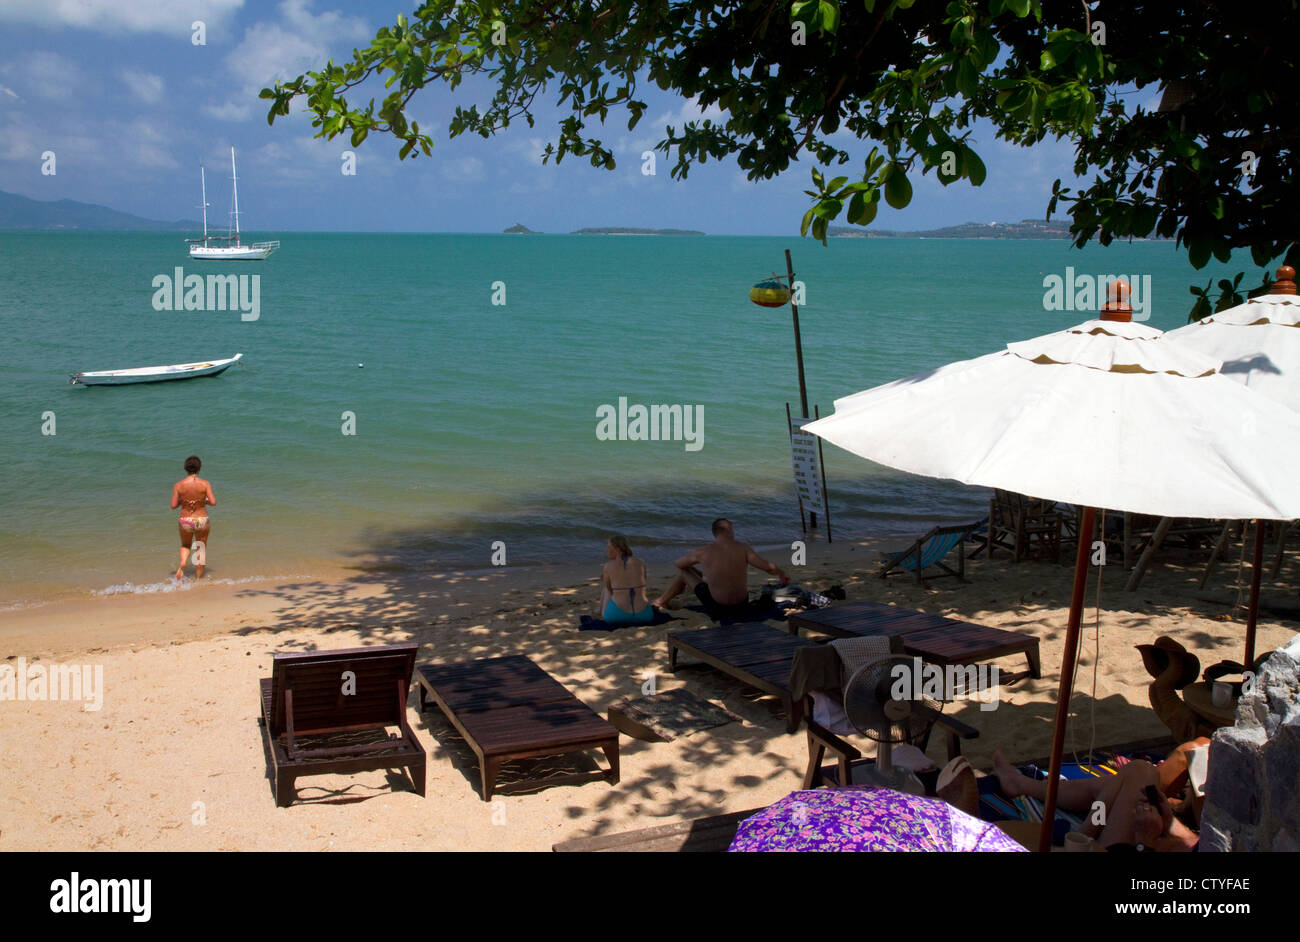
[{"x": 1156, "y": 659}]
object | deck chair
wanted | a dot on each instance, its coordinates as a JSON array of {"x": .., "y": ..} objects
[
  {"x": 929, "y": 552},
  {"x": 823, "y": 662},
  {"x": 330, "y": 712}
]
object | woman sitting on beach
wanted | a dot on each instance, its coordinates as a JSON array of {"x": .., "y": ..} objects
[
  {"x": 193, "y": 496},
  {"x": 623, "y": 580}
]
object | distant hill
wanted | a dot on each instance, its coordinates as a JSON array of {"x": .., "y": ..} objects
[
  {"x": 1025, "y": 229},
  {"x": 617, "y": 230},
  {"x": 19, "y": 212},
  {"x": 519, "y": 229}
]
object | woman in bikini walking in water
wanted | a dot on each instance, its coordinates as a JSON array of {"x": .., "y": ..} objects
[{"x": 193, "y": 496}]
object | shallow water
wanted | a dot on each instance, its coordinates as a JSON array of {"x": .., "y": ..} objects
[{"x": 475, "y": 422}]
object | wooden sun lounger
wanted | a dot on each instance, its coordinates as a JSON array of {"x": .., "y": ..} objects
[
  {"x": 509, "y": 708},
  {"x": 755, "y": 654},
  {"x": 932, "y": 638},
  {"x": 713, "y": 834},
  {"x": 330, "y": 711}
]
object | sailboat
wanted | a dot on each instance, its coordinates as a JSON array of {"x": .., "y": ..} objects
[{"x": 227, "y": 247}]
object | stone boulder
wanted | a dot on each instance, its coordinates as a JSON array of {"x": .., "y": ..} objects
[{"x": 1253, "y": 790}]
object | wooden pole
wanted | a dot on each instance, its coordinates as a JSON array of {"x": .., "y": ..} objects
[
  {"x": 789, "y": 427},
  {"x": 1148, "y": 554},
  {"x": 1256, "y": 572},
  {"x": 821, "y": 468},
  {"x": 1068, "y": 660},
  {"x": 798, "y": 355}
]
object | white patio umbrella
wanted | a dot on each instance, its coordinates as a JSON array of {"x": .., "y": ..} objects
[
  {"x": 1259, "y": 344},
  {"x": 1101, "y": 415}
]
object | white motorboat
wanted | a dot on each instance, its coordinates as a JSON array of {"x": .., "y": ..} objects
[
  {"x": 153, "y": 374},
  {"x": 227, "y": 247}
]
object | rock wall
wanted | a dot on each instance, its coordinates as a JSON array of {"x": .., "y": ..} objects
[{"x": 1252, "y": 798}]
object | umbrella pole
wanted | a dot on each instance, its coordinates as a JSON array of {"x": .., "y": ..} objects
[
  {"x": 1068, "y": 658},
  {"x": 1253, "y": 615}
]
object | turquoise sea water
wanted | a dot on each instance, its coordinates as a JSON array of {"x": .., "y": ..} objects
[{"x": 476, "y": 422}]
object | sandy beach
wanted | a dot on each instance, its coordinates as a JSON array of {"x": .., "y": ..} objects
[{"x": 174, "y": 759}]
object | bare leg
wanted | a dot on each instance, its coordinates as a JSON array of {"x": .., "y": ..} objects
[
  {"x": 1130, "y": 818},
  {"x": 1073, "y": 795},
  {"x": 186, "y": 538},
  {"x": 685, "y": 577},
  {"x": 201, "y": 553}
]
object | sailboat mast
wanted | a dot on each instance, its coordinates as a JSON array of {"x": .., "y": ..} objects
[
  {"x": 234, "y": 182},
  {"x": 203, "y": 184}
]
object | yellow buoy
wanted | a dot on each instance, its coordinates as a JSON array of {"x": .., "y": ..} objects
[{"x": 769, "y": 294}]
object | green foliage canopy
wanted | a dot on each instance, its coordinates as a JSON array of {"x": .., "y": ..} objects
[{"x": 909, "y": 77}]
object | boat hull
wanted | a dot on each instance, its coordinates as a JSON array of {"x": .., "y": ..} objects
[
  {"x": 154, "y": 374},
  {"x": 234, "y": 253}
]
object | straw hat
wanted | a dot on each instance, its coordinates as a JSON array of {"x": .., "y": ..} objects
[{"x": 1158, "y": 657}]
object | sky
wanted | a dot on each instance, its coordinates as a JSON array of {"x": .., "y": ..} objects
[{"x": 131, "y": 107}]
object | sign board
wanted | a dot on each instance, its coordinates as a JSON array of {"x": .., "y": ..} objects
[{"x": 807, "y": 467}]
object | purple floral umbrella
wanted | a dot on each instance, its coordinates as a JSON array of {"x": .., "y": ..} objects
[{"x": 866, "y": 818}]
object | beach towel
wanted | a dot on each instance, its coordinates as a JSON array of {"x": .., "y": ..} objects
[
  {"x": 589, "y": 623},
  {"x": 665, "y": 716}
]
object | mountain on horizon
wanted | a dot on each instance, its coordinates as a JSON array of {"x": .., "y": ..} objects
[{"x": 21, "y": 212}]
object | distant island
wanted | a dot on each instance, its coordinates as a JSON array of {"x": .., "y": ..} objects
[
  {"x": 19, "y": 212},
  {"x": 1025, "y": 229},
  {"x": 618, "y": 230},
  {"x": 519, "y": 229}
]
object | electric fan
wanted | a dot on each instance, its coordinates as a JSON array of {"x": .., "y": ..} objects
[{"x": 884, "y": 702}]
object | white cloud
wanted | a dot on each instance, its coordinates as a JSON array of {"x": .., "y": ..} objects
[
  {"x": 140, "y": 144},
  {"x": 47, "y": 75},
  {"x": 115, "y": 16},
  {"x": 230, "y": 111},
  {"x": 657, "y": 129},
  {"x": 144, "y": 85},
  {"x": 271, "y": 52},
  {"x": 461, "y": 169}
]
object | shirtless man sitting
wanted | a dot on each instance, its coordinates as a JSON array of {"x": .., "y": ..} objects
[{"x": 717, "y": 574}]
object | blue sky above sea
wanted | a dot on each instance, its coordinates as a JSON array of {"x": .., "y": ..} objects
[{"x": 131, "y": 107}]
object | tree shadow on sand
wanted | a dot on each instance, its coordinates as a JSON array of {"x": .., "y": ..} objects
[{"x": 391, "y": 603}]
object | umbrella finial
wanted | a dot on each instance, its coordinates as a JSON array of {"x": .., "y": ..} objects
[
  {"x": 1285, "y": 283},
  {"x": 1117, "y": 307}
]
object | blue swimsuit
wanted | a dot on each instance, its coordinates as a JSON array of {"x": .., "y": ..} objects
[{"x": 617, "y": 616}]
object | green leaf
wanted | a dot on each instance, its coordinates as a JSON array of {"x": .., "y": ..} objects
[
  {"x": 828, "y": 16},
  {"x": 1019, "y": 7},
  {"x": 1198, "y": 253},
  {"x": 974, "y": 167}
]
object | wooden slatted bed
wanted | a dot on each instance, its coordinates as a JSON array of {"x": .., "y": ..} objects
[{"x": 509, "y": 708}]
